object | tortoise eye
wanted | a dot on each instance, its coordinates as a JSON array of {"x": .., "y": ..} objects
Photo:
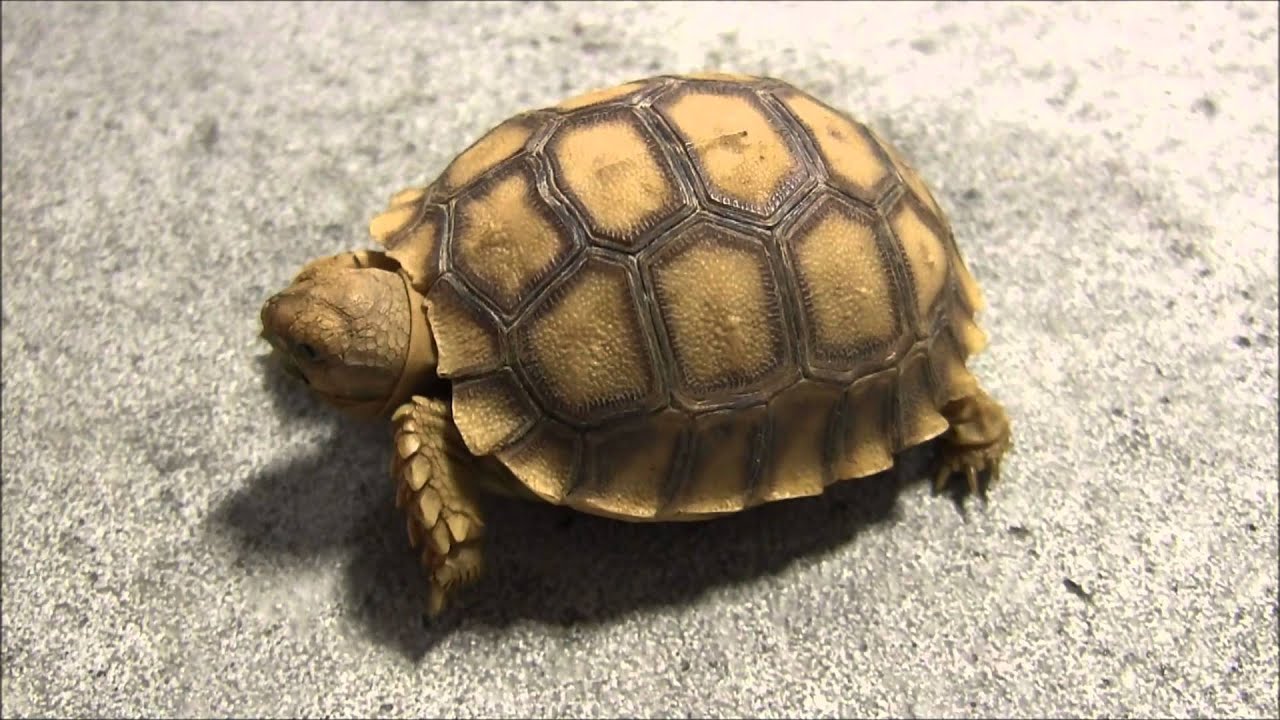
[{"x": 307, "y": 352}]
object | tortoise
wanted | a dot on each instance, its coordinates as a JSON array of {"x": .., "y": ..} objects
[{"x": 668, "y": 300}]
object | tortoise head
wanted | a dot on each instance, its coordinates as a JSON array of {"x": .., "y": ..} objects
[{"x": 353, "y": 329}]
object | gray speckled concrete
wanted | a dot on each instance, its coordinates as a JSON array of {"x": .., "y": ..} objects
[{"x": 185, "y": 535}]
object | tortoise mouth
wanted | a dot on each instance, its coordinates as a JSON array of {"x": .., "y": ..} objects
[
  {"x": 290, "y": 367},
  {"x": 283, "y": 360},
  {"x": 358, "y": 404}
]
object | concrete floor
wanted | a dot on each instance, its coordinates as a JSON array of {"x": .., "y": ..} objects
[{"x": 184, "y": 534}]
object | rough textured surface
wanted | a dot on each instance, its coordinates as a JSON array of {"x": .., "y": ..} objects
[{"x": 184, "y": 534}]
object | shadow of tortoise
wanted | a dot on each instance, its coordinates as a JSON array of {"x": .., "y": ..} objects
[{"x": 543, "y": 563}]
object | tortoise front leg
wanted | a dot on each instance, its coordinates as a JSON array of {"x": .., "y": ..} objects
[
  {"x": 431, "y": 466},
  {"x": 977, "y": 440}
]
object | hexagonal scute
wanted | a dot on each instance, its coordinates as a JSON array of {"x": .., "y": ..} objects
[
  {"x": 742, "y": 152},
  {"x": 586, "y": 347},
  {"x": 506, "y": 238},
  {"x": 615, "y": 173},
  {"x": 501, "y": 143},
  {"x": 852, "y": 159},
  {"x": 721, "y": 313},
  {"x": 848, "y": 296}
]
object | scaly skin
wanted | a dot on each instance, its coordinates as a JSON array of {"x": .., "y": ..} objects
[{"x": 434, "y": 476}]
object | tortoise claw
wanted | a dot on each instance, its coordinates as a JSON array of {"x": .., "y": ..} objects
[
  {"x": 436, "y": 601},
  {"x": 975, "y": 444}
]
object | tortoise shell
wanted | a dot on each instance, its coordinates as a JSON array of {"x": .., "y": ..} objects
[{"x": 687, "y": 295}]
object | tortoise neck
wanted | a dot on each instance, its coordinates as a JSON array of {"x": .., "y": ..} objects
[{"x": 420, "y": 360}]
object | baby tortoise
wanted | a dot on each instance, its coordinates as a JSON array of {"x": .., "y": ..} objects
[{"x": 672, "y": 299}]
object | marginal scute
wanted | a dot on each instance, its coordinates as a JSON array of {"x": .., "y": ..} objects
[
  {"x": 865, "y": 441},
  {"x": 417, "y": 249},
  {"x": 801, "y": 418},
  {"x": 726, "y": 445},
  {"x": 972, "y": 338},
  {"x": 740, "y": 155},
  {"x": 585, "y": 348},
  {"x": 632, "y": 466},
  {"x": 947, "y": 360},
  {"x": 391, "y": 221},
  {"x": 722, "y": 312},
  {"x": 615, "y": 173},
  {"x": 406, "y": 196},
  {"x": 492, "y": 412},
  {"x": 926, "y": 258},
  {"x": 547, "y": 460},
  {"x": 970, "y": 292},
  {"x": 601, "y": 95},
  {"x": 506, "y": 238},
  {"x": 847, "y": 292},
  {"x": 468, "y": 340},
  {"x": 499, "y": 144},
  {"x": 917, "y": 408}
]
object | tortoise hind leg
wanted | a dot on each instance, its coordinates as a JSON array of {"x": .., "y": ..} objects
[
  {"x": 433, "y": 473},
  {"x": 977, "y": 440}
]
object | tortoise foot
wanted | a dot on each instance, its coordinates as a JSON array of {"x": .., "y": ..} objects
[{"x": 975, "y": 444}]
